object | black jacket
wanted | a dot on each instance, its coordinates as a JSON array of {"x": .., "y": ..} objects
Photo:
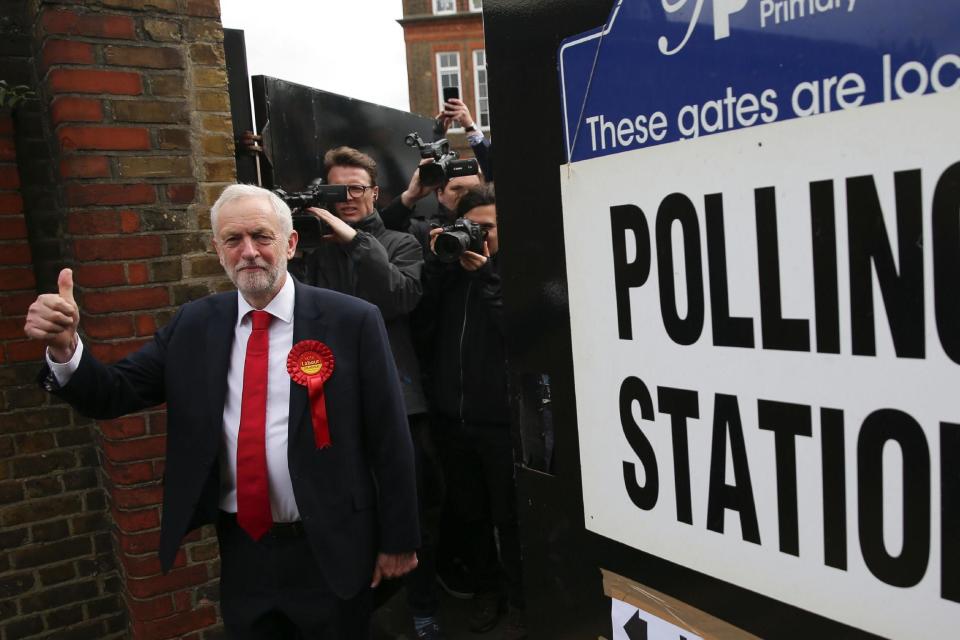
[
  {"x": 382, "y": 267},
  {"x": 468, "y": 363}
]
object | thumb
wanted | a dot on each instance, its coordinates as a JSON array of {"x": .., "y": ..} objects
[
  {"x": 377, "y": 575},
  {"x": 65, "y": 284}
]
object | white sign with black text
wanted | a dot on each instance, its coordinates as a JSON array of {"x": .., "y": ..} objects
[{"x": 766, "y": 342}]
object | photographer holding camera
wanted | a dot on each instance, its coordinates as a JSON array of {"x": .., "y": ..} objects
[
  {"x": 361, "y": 257},
  {"x": 435, "y": 174},
  {"x": 469, "y": 398}
]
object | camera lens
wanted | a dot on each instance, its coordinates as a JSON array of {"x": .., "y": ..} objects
[{"x": 450, "y": 245}]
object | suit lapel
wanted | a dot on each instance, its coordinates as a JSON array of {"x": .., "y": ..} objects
[
  {"x": 307, "y": 325},
  {"x": 219, "y": 340}
]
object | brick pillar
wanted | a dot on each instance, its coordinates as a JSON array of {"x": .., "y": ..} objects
[
  {"x": 134, "y": 97},
  {"x": 58, "y": 575},
  {"x": 57, "y": 571}
]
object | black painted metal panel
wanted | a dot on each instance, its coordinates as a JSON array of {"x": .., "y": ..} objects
[
  {"x": 299, "y": 124},
  {"x": 562, "y": 559}
]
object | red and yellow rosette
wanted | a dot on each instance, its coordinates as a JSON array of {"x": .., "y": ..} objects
[{"x": 310, "y": 363}]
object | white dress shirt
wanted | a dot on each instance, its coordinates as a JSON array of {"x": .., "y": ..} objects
[{"x": 282, "y": 503}]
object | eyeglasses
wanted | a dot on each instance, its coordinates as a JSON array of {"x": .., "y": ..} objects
[{"x": 357, "y": 190}]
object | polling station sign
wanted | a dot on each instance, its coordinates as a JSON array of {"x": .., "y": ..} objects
[{"x": 761, "y": 208}]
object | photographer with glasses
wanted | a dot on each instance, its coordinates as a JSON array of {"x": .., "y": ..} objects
[{"x": 363, "y": 258}]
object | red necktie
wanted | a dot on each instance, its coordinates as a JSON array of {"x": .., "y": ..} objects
[{"x": 253, "y": 495}]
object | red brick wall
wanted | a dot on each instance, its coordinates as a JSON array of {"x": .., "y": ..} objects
[
  {"x": 58, "y": 576},
  {"x": 57, "y": 572},
  {"x": 132, "y": 97}
]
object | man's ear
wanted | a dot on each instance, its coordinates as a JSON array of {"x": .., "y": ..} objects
[{"x": 292, "y": 243}]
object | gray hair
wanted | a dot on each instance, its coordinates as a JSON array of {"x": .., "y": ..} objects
[{"x": 236, "y": 191}]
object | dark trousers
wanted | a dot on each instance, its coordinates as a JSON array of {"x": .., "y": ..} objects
[
  {"x": 479, "y": 467},
  {"x": 422, "y": 596},
  {"x": 273, "y": 589}
]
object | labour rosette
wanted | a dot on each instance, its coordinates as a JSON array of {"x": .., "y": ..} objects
[{"x": 310, "y": 363}]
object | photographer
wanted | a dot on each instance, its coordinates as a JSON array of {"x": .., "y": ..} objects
[
  {"x": 361, "y": 257},
  {"x": 401, "y": 213},
  {"x": 469, "y": 396}
]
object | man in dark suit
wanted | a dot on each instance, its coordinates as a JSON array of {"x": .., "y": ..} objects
[{"x": 312, "y": 491}]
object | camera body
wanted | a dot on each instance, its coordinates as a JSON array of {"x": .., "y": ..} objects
[
  {"x": 445, "y": 163},
  {"x": 454, "y": 239},
  {"x": 310, "y": 229}
]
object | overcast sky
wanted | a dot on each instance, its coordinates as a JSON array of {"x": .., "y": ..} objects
[{"x": 351, "y": 47}]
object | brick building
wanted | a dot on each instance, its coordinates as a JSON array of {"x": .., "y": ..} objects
[
  {"x": 445, "y": 47},
  {"x": 109, "y": 168}
]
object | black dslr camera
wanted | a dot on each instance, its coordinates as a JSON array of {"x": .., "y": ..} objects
[
  {"x": 454, "y": 239},
  {"x": 445, "y": 164},
  {"x": 309, "y": 228}
]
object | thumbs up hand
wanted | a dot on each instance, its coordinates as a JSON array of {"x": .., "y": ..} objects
[{"x": 54, "y": 317}]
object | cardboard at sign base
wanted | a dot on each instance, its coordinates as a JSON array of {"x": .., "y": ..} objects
[{"x": 670, "y": 609}]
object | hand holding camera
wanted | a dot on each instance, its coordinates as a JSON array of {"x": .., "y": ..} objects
[
  {"x": 313, "y": 228},
  {"x": 445, "y": 164},
  {"x": 463, "y": 240},
  {"x": 455, "y": 110},
  {"x": 471, "y": 261},
  {"x": 336, "y": 229},
  {"x": 416, "y": 190}
]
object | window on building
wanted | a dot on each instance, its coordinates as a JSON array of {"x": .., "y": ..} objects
[
  {"x": 445, "y": 6},
  {"x": 480, "y": 88},
  {"x": 476, "y": 5},
  {"x": 448, "y": 74}
]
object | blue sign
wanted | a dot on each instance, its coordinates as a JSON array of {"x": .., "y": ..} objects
[{"x": 660, "y": 71}]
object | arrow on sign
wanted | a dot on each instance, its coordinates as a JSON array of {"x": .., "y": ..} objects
[{"x": 636, "y": 627}]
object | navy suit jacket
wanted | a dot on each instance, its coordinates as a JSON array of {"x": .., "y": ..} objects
[{"x": 355, "y": 498}]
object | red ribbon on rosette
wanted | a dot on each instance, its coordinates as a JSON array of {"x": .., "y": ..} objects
[{"x": 310, "y": 363}]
